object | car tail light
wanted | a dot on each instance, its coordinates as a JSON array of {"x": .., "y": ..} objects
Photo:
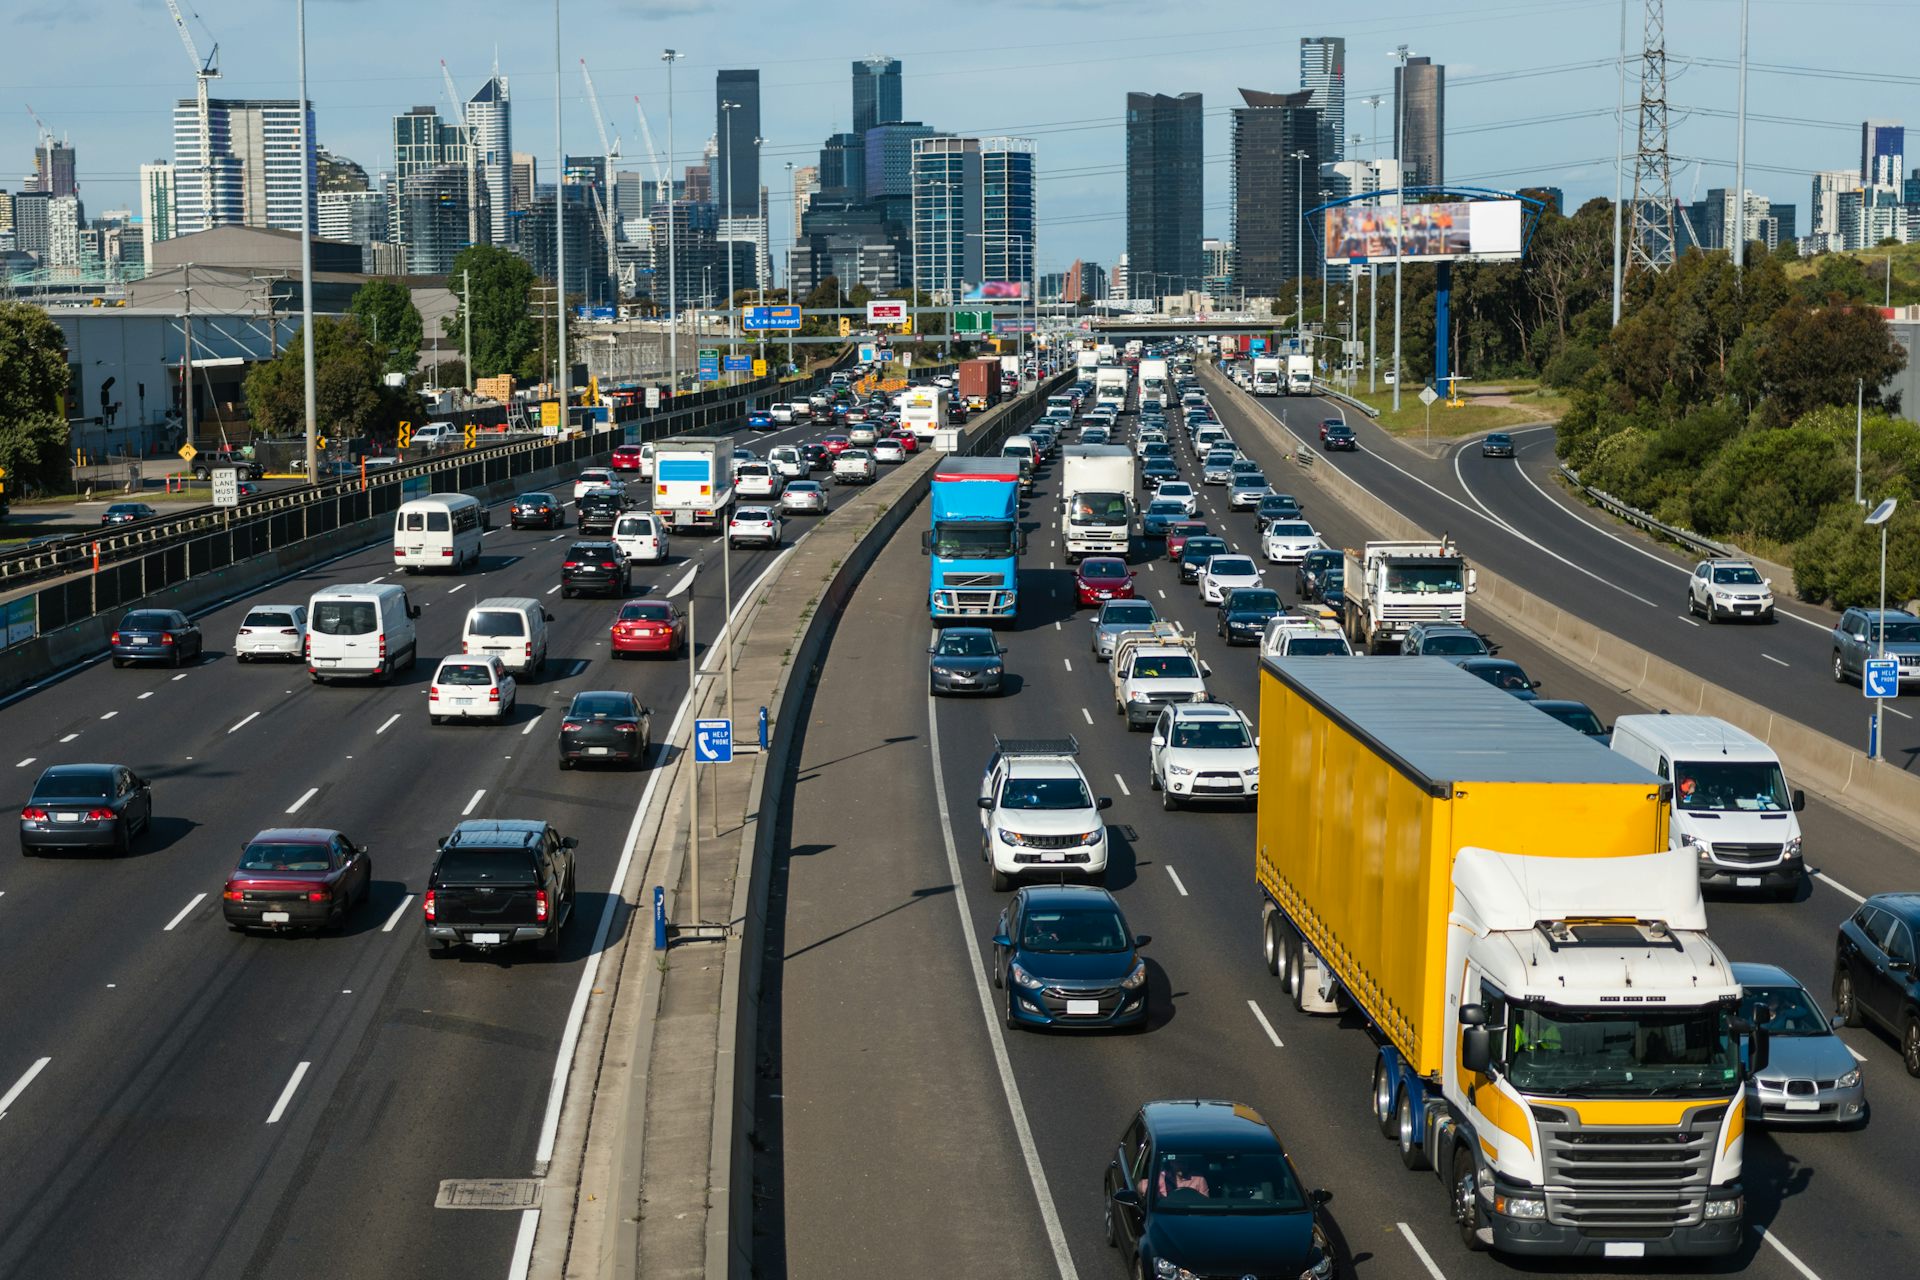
[
  {"x": 306, "y": 647},
  {"x": 232, "y": 894},
  {"x": 570, "y": 726},
  {"x": 116, "y": 637},
  {"x": 571, "y": 564},
  {"x": 32, "y": 814},
  {"x": 398, "y": 552},
  {"x": 166, "y": 637},
  {"x": 319, "y": 895},
  {"x": 100, "y": 815},
  {"x": 289, "y": 631},
  {"x": 427, "y": 905},
  {"x": 493, "y": 694},
  {"x": 446, "y": 553},
  {"x": 627, "y": 728},
  {"x": 433, "y": 693},
  {"x": 540, "y": 905},
  {"x": 526, "y": 650},
  {"x": 608, "y": 564}
]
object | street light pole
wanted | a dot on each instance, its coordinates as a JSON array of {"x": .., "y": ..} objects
[
  {"x": 1882, "y": 516},
  {"x": 306, "y": 259},
  {"x": 1399, "y": 209},
  {"x": 1619, "y": 163},
  {"x": 560, "y": 369},
  {"x": 1299, "y": 249},
  {"x": 1740, "y": 157},
  {"x": 669, "y": 57},
  {"x": 726, "y": 114}
]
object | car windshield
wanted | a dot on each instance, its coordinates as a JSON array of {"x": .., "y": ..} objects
[
  {"x": 464, "y": 673},
  {"x": 487, "y": 866},
  {"x": 497, "y": 622},
  {"x": 535, "y": 500},
  {"x": 73, "y": 786},
  {"x": 804, "y": 486},
  {"x": 1896, "y": 632},
  {"x": 1103, "y": 570},
  {"x": 752, "y": 515},
  {"x": 1783, "y": 1011},
  {"x": 967, "y": 644},
  {"x": 344, "y": 617},
  {"x": 1164, "y": 507},
  {"x": 1164, "y": 666},
  {"x": 1199, "y": 548},
  {"x": 1190, "y": 1181},
  {"x": 1502, "y": 675},
  {"x": 1424, "y": 579},
  {"x": 1130, "y": 615},
  {"x": 146, "y": 620},
  {"x": 1073, "y": 930},
  {"x": 1231, "y": 567},
  {"x": 1576, "y": 716},
  {"x": 1738, "y": 575},
  {"x": 1458, "y": 645},
  {"x": 1316, "y": 646},
  {"x": 646, "y": 613},
  {"x": 1291, "y": 529},
  {"x": 600, "y": 706},
  {"x": 1045, "y": 793},
  {"x": 1497, "y": 438},
  {"x": 1254, "y": 602},
  {"x": 1179, "y": 489},
  {"x": 1210, "y": 735},
  {"x": 285, "y": 857},
  {"x": 1721, "y": 786},
  {"x": 1644, "y": 1052},
  {"x": 1250, "y": 480},
  {"x": 1158, "y": 449}
]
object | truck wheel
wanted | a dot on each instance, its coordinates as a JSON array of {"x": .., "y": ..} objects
[
  {"x": 1413, "y": 1148},
  {"x": 1270, "y": 947},
  {"x": 1383, "y": 1109},
  {"x": 1466, "y": 1200},
  {"x": 1297, "y": 973}
]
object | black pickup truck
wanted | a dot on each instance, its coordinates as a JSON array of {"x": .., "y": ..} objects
[{"x": 497, "y": 882}]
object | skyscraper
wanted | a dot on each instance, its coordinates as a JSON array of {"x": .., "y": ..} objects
[
  {"x": 843, "y": 167},
  {"x": 30, "y": 222},
  {"x": 1323, "y": 69},
  {"x": 490, "y": 125},
  {"x": 876, "y": 93},
  {"x": 423, "y": 142},
  {"x": 1883, "y": 144},
  {"x": 1420, "y": 106},
  {"x": 158, "y": 218},
  {"x": 1007, "y": 218},
  {"x": 1165, "y": 190},
  {"x": 806, "y": 182},
  {"x": 1825, "y": 207},
  {"x": 736, "y": 176},
  {"x": 890, "y": 151},
  {"x": 53, "y": 169},
  {"x": 945, "y": 178},
  {"x": 522, "y": 177},
  {"x": 1276, "y": 178},
  {"x": 253, "y": 174}
]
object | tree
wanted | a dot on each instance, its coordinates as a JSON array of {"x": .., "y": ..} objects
[
  {"x": 34, "y": 378},
  {"x": 506, "y": 338},
  {"x": 350, "y": 398},
  {"x": 1814, "y": 356},
  {"x": 385, "y": 312}
]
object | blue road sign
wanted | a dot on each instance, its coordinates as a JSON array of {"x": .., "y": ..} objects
[
  {"x": 709, "y": 369},
  {"x": 739, "y": 364},
  {"x": 1257, "y": 344},
  {"x": 772, "y": 318},
  {"x": 1881, "y": 678},
  {"x": 713, "y": 741}
]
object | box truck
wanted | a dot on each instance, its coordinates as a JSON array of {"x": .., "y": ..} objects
[
  {"x": 1267, "y": 375},
  {"x": 693, "y": 482},
  {"x": 974, "y": 545},
  {"x": 1299, "y": 375},
  {"x": 1096, "y": 507},
  {"x": 923, "y": 410},
  {"x": 1153, "y": 382}
]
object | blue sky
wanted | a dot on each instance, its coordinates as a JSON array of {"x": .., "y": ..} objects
[{"x": 106, "y": 72}]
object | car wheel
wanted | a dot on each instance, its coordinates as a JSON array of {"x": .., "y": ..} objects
[
  {"x": 432, "y": 718},
  {"x": 1013, "y": 1023},
  {"x": 28, "y": 851},
  {"x": 565, "y": 764},
  {"x": 1413, "y": 1147},
  {"x": 1153, "y": 779},
  {"x": 1113, "y": 1237},
  {"x": 119, "y": 662},
  {"x": 123, "y": 840},
  {"x": 1466, "y": 1200},
  {"x": 1839, "y": 668},
  {"x": 1272, "y": 951},
  {"x": 1846, "y": 1006},
  {"x": 1910, "y": 1045},
  {"x": 1002, "y": 883},
  {"x": 1297, "y": 973},
  {"x": 1169, "y": 801},
  {"x": 566, "y": 593}
]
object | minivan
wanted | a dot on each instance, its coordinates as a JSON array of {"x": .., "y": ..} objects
[
  {"x": 510, "y": 628},
  {"x": 1731, "y": 804},
  {"x": 363, "y": 631},
  {"x": 439, "y": 531}
]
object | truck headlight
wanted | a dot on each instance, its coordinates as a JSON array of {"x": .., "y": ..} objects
[
  {"x": 1023, "y": 978},
  {"x": 1520, "y": 1206},
  {"x": 1849, "y": 1080},
  {"x": 1011, "y": 837},
  {"x": 1139, "y": 696},
  {"x": 1793, "y": 847},
  {"x": 1719, "y": 1210}
]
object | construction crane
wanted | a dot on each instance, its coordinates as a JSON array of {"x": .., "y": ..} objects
[
  {"x": 609, "y": 152},
  {"x": 46, "y": 133},
  {"x": 203, "y": 70},
  {"x": 664, "y": 187},
  {"x": 466, "y": 139}
]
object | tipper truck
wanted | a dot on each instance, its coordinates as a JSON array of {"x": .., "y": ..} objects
[
  {"x": 975, "y": 542},
  {"x": 1267, "y": 374},
  {"x": 693, "y": 482},
  {"x": 1096, "y": 507},
  {"x": 1493, "y": 895},
  {"x": 1392, "y": 585}
]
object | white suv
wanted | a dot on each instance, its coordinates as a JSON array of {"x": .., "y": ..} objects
[
  {"x": 1037, "y": 813},
  {"x": 1729, "y": 589},
  {"x": 1203, "y": 751}
]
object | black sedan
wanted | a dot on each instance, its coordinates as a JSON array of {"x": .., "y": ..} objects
[
  {"x": 127, "y": 513},
  {"x": 1310, "y": 577},
  {"x": 1277, "y": 506},
  {"x": 85, "y": 806},
  {"x": 1244, "y": 613},
  {"x": 594, "y": 566},
  {"x": 1496, "y": 444},
  {"x": 296, "y": 878},
  {"x": 1502, "y": 673},
  {"x": 817, "y": 457},
  {"x": 606, "y": 726},
  {"x": 156, "y": 635},
  {"x": 1065, "y": 958},
  {"x": 536, "y": 511},
  {"x": 1338, "y": 435},
  {"x": 1206, "y": 1188},
  {"x": 1576, "y": 715},
  {"x": 965, "y": 660},
  {"x": 1195, "y": 553}
]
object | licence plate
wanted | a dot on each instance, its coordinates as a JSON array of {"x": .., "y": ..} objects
[
  {"x": 1084, "y": 1008},
  {"x": 136, "y": 639},
  {"x": 274, "y": 917},
  {"x": 485, "y": 939},
  {"x": 1625, "y": 1249},
  {"x": 596, "y": 751},
  {"x": 1793, "y": 1105},
  {"x": 1747, "y": 882},
  {"x": 66, "y": 817},
  {"x": 1053, "y": 857}
]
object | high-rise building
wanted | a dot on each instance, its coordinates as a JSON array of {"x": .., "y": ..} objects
[
  {"x": 1323, "y": 69},
  {"x": 1085, "y": 282},
  {"x": 587, "y": 276},
  {"x": 890, "y": 149},
  {"x": 1883, "y": 145},
  {"x": 1824, "y": 209},
  {"x": 31, "y": 216},
  {"x": 736, "y": 177},
  {"x": 1420, "y": 121},
  {"x": 523, "y": 177},
  {"x": 629, "y": 194},
  {"x": 1120, "y": 281},
  {"x": 1276, "y": 179},
  {"x": 158, "y": 217},
  {"x": 430, "y": 217},
  {"x": 6, "y": 213},
  {"x": 1007, "y": 218},
  {"x": 876, "y": 93},
  {"x": 945, "y": 176},
  {"x": 490, "y": 126},
  {"x": 63, "y": 234},
  {"x": 354, "y": 217},
  {"x": 843, "y": 167},
  {"x": 53, "y": 169},
  {"x": 1219, "y": 259},
  {"x": 423, "y": 142},
  {"x": 806, "y": 183},
  {"x": 253, "y": 176},
  {"x": 1165, "y": 188}
]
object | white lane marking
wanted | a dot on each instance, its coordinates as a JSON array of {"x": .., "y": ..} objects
[
  {"x": 1160, "y": 593},
  {"x": 143, "y": 697},
  {"x": 1692, "y": 622},
  {"x": 1420, "y": 1251},
  {"x": 536, "y": 720},
  {"x": 996, "y": 1036},
  {"x": 1793, "y": 1259},
  {"x": 460, "y": 587},
  {"x": 556, "y": 537},
  {"x": 1770, "y": 658},
  {"x": 181, "y": 676},
  {"x": 1088, "y": 714},
  {"x": 377, "y": 578},
  {"x": 1857, "y": 1055},
  {"x": 552, "y": 589},
  {"x": 1069, "y": 662},
  {"x": 1265, "y": 1025},
  {"x": 1149, "y": 566},
  {"x": 473, "y": 803},
  {"x": 523, "y": 1245},
  {"x": 684, "y": 582},
  {"x": 386, "y": 724},
  {"x": 394, "y": 919},
  {"x": 20, "y": 1085},
  {"x": 1831, "y": 883},
  {"x": 1894, "y": 711},
  {"x": 198, "y": 898},
  {"x": 1175, "y": 875},
  {"x": 244, "y": 723},
  {"x": 1123, "y": 785},
  {"x": 109, "y": 715},
  {"x": 286, "y": 1094},
  {"x": 70, "y": 737},
  {"x": 296, "y": 806},
  {"x": 24, "y": 763}
]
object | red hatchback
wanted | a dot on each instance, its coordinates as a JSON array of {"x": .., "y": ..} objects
[
  {"x": 649, "y": 626},
  {"x": 908, "y": 441},
  {"x": 626, "y": 458},
  {"x": 834, "y": 445},
  {"x": 1102, "y": 578},
  {"x": 1177, "y": 535}
]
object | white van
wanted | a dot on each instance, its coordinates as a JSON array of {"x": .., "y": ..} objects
[
  {"x": 640, "y": 535},
  {"x": 1731, "y": 804},
  {"x": 510, "y": 628},
  {"x": 440, "y": 531},
  {"x": 360, "y": 631},
  {"x": 646, "y": 461},
  {"x": 787, "y": 462}
]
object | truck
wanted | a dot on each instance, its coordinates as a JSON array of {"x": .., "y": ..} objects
[
  {"x": 1299, "y": 375},
  {"x": 1106, "y": 353},
  {"x": 1154, "y": 386},
  {"x": 1096, "y": 505},
  {"x": 500, "y": 881},
  {"x": 1229, "y": 346},
  {"x": 1392, "y": 585},
  {"x": 1267, "y": 375},
  {"x": 693, "y": 482},
  {"x": 1086, "y": 361},
  {"x": 1154, "y": 667},
  {"x": 1110, "y": 386},
  {"x": 1492, "y": 895},
  {"x": 980, "y": 383},
  {"x": 923, "y": 410},
  {"x": 1009, "y": 375},
  {"x": 974, "y": 544}
]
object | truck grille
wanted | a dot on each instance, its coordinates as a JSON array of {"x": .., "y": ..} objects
[
  {"x": 1422, "y": 612},
  {"x": 994, "y": 580},
  {"x": 1055, "y": 842},
  {"x": 1616, "y": 1179},
  {"x": 1747, "y": 855},
  {"x": 972, "y": 603},
  {"x": 1034, "y": 859}
]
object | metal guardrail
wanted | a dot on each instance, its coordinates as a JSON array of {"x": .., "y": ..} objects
[
  {"x": 1640, "y": 519},
  {"x": 1331, "y": 392}
]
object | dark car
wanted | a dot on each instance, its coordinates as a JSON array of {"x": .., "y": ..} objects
[
  {"x": 536, "y": 510},
  {"x": 1160, "y": 515},
  {"x": 85, "y": 806},
  {"x": 296, "y": 878},
  {"x": 1328, "y": 424},
  {"x": 599, "y": 509},
  {"x": 1309, "y": 577},
  {"x": 1243, "y": 614},
  {"x": 127, "y": 513},
  {"x": 966, "y": 660},
  {"x": 1576, "y": 715},
  {"x": 1177, "y": 535},
  {"x": 1502, "y": 673},
  {"x": 1497, "y": 444},
  {"x": 956, "y": 413},
  {"x": 1065, "y": 958},
  {"x": 209, "y": 461},
  {"x": 1277, "y": 506},
  {"x": 1876, "y": 971},
  {"x": 1339, "y": 436},
  {"x": 155, "y": 635},
  {"x": 1195, "y": 554},
  {"x": 594, "y": 566},
  {"x": 817, "y": 457},
  {"x": 1200, "y": 1188},
  {"x": 1444, "y": 640},
  {"x": 1333, "y": 588},
  {"x": 498, "y": 881},
  {"x": 1154, "y": 470},
  {"x": 605, "y": 725},
  {"x": 1100, "y": 579}
]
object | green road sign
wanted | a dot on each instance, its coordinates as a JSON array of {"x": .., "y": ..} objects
[{"x": 973, "y": 322}]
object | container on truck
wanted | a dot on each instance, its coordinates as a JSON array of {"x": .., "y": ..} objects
[
  {"x": 923, "y": 410},
  {"x": 693, "y": 482},
  {"x": 1096, "y": 506},
  {"x": 974, "y": 545},
  {"x": 1392, "y": 585},
  {"x": 1299, "y": 375},
  {"x": 980, "y": 383},
  {"x": 1267, "y": 374},
  {"x": 1558, "y": 1038}
]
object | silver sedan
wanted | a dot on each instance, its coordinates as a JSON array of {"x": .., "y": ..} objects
[
  {"x": 804, "y": 496},
  {"x": 1811, "y": 1077}
]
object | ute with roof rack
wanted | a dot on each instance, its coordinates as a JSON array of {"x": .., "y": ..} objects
[{"x": 1038, "y": 814}]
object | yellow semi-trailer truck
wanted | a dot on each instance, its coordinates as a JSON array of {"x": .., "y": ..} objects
[{"x": 1492, "y": 891}]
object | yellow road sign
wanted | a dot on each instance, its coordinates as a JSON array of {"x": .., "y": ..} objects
[
  {"x": 549, "y": 413},
  {"x": 472, "y": 434},
  {"x": 188, "y": 452},
  {"x": 759, "y": 368},
  {"x": 406, "y": 435}
]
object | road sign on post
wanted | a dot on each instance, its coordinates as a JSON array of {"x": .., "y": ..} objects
[
  {"x": 226, "y": 487},
  {"x": 788, "y": 317},
  {"x": 187, "y": 452},
  {"x": 709, "y": 363},
  {"x": 738, "y": 364},
  {"x": 1880, "y": 678},
  {"x": 713, "y": 741}
]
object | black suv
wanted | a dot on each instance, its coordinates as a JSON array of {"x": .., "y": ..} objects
[
  {"x": 1876, "y": 970},
  {"x": 1310, "y": 579},
  {"x": 1338, "y": 435},
  {"x": 498, "y": 881},
  {"x": 205, "y": 464},
  {"x": 594, "y": 566},
  {"x": 598, "y": 509}
]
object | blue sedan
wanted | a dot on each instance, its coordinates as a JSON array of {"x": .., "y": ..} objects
[
  {"x": 760, "y": 420},
  {"x": 1161, "y": 513},
  {"x": 1065, "y": 958}
]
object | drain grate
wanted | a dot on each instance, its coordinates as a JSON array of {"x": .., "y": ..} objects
[{"x": 488, "y": 1193}]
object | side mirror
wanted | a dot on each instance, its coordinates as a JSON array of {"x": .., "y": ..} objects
[
  {"x": 1836, "y": 1022},
  {"x": 1321, "y": 1196},
  {"x": 932, "y": 648},
  {"x": 1159, "y": 741},
  {"x": 1001, "y": 650},
  {"x": 926, "y": 543},
  {"x": 1799, "y": 801},
  {"x": 1533, "y": 684},
  {"x": 985, "y": 802},
  {"x": 1473, "y": 582},
  {"x": 1126, "y": 1198},
  {"x": 1473, "y": 1015},
  {"x": 568, "y": 842},
  {"x": 1142, "y": 940},
  {"x": 1104, "y": 802},
  {"x": 413, "y": 611},
  {"x": 1002, "y": 940},
  {"x": 1476, "y": 1051},
  {"x": 544, "y": 614}
]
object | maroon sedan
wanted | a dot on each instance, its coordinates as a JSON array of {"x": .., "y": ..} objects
[
  {"x": 297, "y": 878},
  {"x": 1100, "y": 579}
]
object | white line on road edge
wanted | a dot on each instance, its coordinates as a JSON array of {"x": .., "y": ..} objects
[
  {"x": 1029, "y": 1152},
  {"x": 473, "y": 803},
  {"x": 286, "y": 1094},
  {"x": 244, "y": 723},
  {"x": 20, "y": 1085},
  {"x": 1056, "y": 626},
  {"x": 310, "y": 794},
  {"x": 1088, "y": 714},
  {"x": 1793, "y": 1259},
  {"x": 536, "y": 720},
  {"x": 523, "y": 1241},
  {"x": 1123, "y": 785},
  {"x": 1831, "y": 883},
  {"x": 552, "y": 589},
  {"x": 1770, "y": 658},
  {"x": 1420, "y": 1251},
  {"x": 1903, "y": 715},
  {"x": 394, "y": 919},
  {"x": 1265, "y": 1025},
  {"x": 1857, "y": 1055},
  {"x": 1183, "y": 893},
  {"x": 70, "y": 737},
  {"x": 1692, "y": 622},
  {"x": 386, "y": 724},
  {"x": 109, "y": 715},
  {"x": 197, "y": 899}
]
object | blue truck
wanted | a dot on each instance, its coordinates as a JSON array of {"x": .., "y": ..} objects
[{"x": 975, "y": 542}]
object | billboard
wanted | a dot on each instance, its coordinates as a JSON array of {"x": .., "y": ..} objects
[
  {"x": 1455, "y": 230},
  {"x": 886, "y": 311},
  {"x": 995, "y": 291}
]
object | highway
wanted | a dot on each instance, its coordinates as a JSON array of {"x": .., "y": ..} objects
[
  {"x": 905, "y": 1099},
  {"x": 1512, "y": 516},
  {"x": 184, "y": 1101}
]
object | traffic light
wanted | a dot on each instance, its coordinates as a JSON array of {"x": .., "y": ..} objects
[
  {"x": 846, "y": 326},
  {"x": 906, "y": 324}
]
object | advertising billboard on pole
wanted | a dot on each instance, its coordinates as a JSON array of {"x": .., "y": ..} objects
[
  {"x": 1456, "y": 230},
  {"x": 995, "y": 291}
]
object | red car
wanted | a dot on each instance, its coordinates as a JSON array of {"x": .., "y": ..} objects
[
  {"x": 626, "y": 458},
  {"x": 834, "y": 445},
  {"x": 649, "y": 626},
  {"x": 1177, "y": 535},
  {"x": 908, "y": 441},
  {"x": 1100, "y": 579},
  {"x": 296, "y": 878}
]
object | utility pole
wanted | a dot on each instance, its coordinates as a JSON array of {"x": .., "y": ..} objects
[
  {"x": 1619, "y": 164},
  {"x": 1299, "y": 249},
  {"x": 1740, "y": 157},
  {"x": 186, "y": 357},
  {"x": 559, "y": 230},
  {"x": 1650, "y": 242},
  {"x": 669, "y": 57},
  {"x": 726, "y": 114},
  {"x": 306, "y": 247}
]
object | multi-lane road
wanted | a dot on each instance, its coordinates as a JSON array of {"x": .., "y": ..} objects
[
  {"x": 183, "y": 1101},
  {"x": 909, "y": 1130}
]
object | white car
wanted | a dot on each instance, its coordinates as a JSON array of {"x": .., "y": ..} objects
[
  {"x": 470, "y": 688},
  {"x": 1227, "y": 573},
  {"x": 1181, "y": 492},
  {"x": 1147, "y": 438},
  {"x": 756, "y": 480},
  {"x": 854, "y": 466},
  {"x": 1203, "y": 751},
  {"x": 1288, "y": 541},
  {"x": 595, "y": 478},
  {"x": 1307, "y": 619},
  {"x": 1038, "y": 816},
  {"x": 272, "y": 631},
  {"x": 640, "y": 536},
  {"x": 759, "y": 526},
  {"x": 862, "y": 435},
  {"x": 802, "y": 411},
  {"x": 889, "y": 451},
  {"x": 1218, "y": 468},
  {"x": 787, "y": 462},
  {"x": 782, "y": 414},
  {"x": 804, "y": 495}
]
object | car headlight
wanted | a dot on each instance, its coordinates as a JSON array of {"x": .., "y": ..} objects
[
  {"x": 1023, "y": 978},
  {"x": 1689, "y": 841},
  {"x": 1164, "y": 1270},
  {"x": 1178, "y": 770},
  {"x": 1135, "y": 980},
  {"x": 1252, "y": 771},
  {"x": 1321, "y": 1268},
  {"x": 1520, "y": 1206},
  {"x": 1793, "y": 847},
  {"x": 1849, "y": 1080},
  {"x": 1722, "y": 1209},
  {"x": 1139, "y": 696},
  {"x": 1011, "y": 837}
]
